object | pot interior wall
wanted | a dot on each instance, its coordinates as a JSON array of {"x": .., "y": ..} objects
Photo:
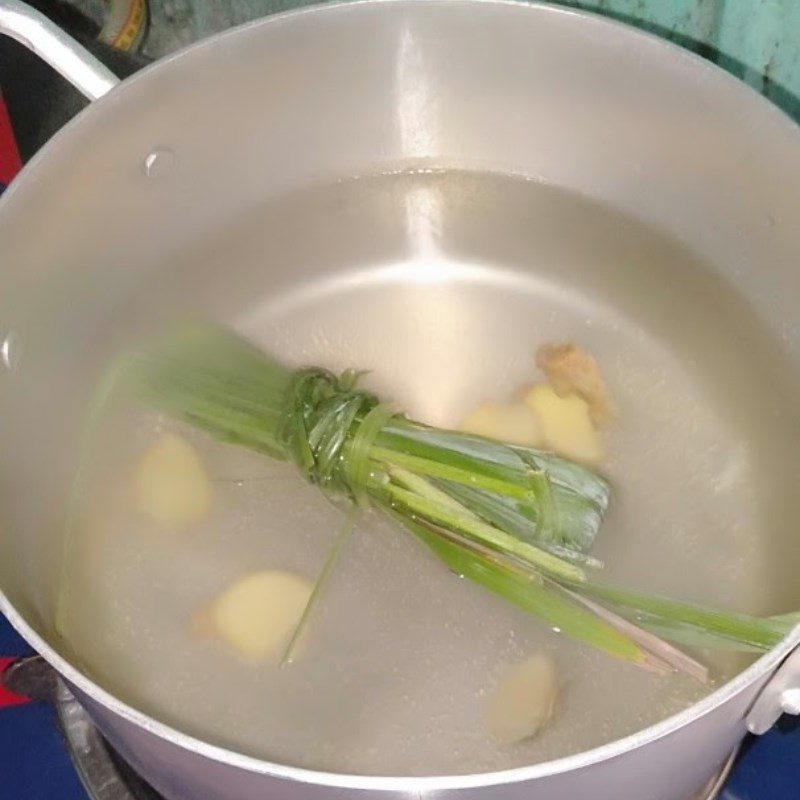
[{"x": 651, "y": 194}]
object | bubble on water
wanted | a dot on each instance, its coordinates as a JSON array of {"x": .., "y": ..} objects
[
  {"x": 10, "y": 351},
  {"x": 159, "y": 162}
]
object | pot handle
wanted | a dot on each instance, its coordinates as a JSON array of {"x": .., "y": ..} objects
[
  {"x": 70, "y": 59},
  {"x": 780, "y": 696}
]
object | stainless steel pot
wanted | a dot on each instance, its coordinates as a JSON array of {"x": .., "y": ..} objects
[{"x": 344, "y": 90}]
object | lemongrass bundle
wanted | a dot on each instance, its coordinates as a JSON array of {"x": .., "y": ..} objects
[{"x": 517, "y": 520}]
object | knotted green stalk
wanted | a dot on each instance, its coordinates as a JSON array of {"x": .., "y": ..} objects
[
  {"x": 516, "y": 520},
  {"x": 342, "y": 439}
]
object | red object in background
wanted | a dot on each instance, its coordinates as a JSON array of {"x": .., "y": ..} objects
[
  {"x": 9, "y": 698},
  {"x": 9, "y": 167},
  {"x": 10, "y": 163}
]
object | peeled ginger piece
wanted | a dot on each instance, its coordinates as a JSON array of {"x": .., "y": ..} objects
[
  {"x": 507, "y": 422},
  {"x": 524, "y": 701},
  {"x": 566, "y": 424},
  {"x": 171, "y": 484},
  {"x": 258, "y": 614}
]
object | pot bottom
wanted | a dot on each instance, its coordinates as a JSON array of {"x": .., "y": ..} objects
[{"x": 106, "y": 775}]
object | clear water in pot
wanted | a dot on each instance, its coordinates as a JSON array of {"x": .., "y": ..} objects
[{"x": 443, "y": 284}]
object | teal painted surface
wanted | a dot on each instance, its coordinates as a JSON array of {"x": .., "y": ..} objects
[{"x": 756, "y": 40}]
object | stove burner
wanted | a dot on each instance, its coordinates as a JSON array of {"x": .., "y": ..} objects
[
  {"x": 104, "y": 773},
  {"x": 107, "y": 776}
]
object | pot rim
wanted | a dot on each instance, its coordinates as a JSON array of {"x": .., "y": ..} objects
[{"x": 418, "y": 784}]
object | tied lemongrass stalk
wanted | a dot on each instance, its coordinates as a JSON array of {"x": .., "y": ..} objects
[{"x": 516, "y": 520}]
